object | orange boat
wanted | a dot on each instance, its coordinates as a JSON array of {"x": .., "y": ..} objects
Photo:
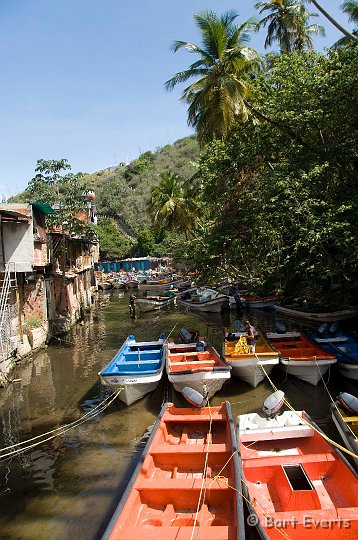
[
  {"x": 197, "y": 366},
  {"x": 184, "y": 486},
  {"x": 301, "y": 357},
  {"x": 297, "y": 484}
]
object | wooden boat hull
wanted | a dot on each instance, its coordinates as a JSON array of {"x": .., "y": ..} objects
[
  {"x": 131, "y": 284},
  {"x": 104, "y": 286},
  {"x": 301, "y": 357},
  {"x": 341, "y": 420},
  {"x": 132, "y": 388},
  {"x": 251, "y": 367},
  {"x": 309, "y": 371},
  {"x": 320, "y": 317},
  {"x": 204, "y": 371},
  {"x": 145, "y": 304},
  {"x": 348, "y": 370},
  {"x": 216, "y": 305},
  {"x": 136, "y": 369},
  {"x": 158, "y": 287},
  {"x": 187, "y": 483},
  {"x": 295, "y": 482}
]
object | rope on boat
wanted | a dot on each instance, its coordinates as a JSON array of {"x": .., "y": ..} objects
[
  {"x": 223, "y": 479},
  {"x": 203, "y": 487},
  {"x": 330, "y": 441},
  {"x": 58, "y": 431}
]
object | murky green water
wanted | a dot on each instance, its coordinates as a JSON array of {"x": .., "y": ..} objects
[{"x": 68, "y": 486}]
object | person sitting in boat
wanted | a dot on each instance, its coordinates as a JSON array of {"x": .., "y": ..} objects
[{"x": 250, "y": 336}]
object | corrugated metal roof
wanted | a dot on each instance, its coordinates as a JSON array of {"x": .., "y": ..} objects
[{"x": 13, "y": 214}]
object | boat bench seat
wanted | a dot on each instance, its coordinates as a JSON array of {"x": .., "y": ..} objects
[
  {"x": 218, "y": 532},
  {"x": 170, "y": 484},
  {"x": 278, "y": 459},
  {"x": 139, "y": 361},
  {"x": 189, "y": 448}
]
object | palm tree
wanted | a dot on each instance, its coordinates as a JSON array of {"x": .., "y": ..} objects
[
  {"x": 224, "y": 69},
  {"x": 333, "y": 21},
  {"x": 351, "y": 8},
  {"x": 169, "y": 206},
  {"x": 288, "y": 24}
]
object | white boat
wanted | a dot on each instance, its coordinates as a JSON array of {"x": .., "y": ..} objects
[
  {"x": 320, "y": 317},
  {"x": 135, "y": 370},
  {"x": 300, "y": 356},
  {"x": 197, "y": 366},
  {"x": 131, "y": 283},
  {"x": 159, "y": 285},
  {"x": 154, "y": 303},
  {"x": 204, "y": 299},
  {"x": 250, "y": 367}
]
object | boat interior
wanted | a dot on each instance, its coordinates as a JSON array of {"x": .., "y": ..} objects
[
  {"x": 300, "y": 348},
  {"x": 135, "y": 361},
  {"x": 301, "y": 474},
  {"x": 262, "y": 348},
  {"x": 183, "y": 482},
  {"x": 178, "y": 356}
]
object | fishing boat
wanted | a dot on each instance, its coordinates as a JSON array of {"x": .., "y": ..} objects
[
  {"x": 316, "y": 316},
  {"x": 161, "y": 285},
  {"x": 301, "y": 357},
  {"x": 343, "y": 346},
  {"x": 259, "y": 302},
  {"x": 196, "y": 365},
  {"x": 345, "y": 419},
  {"x": 154, "y": 303},
  {"x": 250, "y": 367},
  {"x": 187, "y": 483},
  {"x": 296, "y": 483},
  {"x": 204, "y": 299},
  {"x": 135, "y": 370}
]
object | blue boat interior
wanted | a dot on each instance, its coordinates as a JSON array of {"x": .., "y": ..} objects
[{"x": 142, "y": 358}]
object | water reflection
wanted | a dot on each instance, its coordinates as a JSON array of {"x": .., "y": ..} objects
[{"x": 68, "y": 486}]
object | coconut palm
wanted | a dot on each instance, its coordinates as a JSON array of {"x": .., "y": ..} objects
[
  {"x": 224, "y": 75},
  {"x": 169, "y": 206},
  {"x": 333, "y": 21},
  {"x": 287, "y": 23},
  {"x": 350, "y": 7}
]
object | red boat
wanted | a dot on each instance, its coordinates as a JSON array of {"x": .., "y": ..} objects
[
  {"x": 186, "y": 485},
  {"x": 298, "y": 485}
]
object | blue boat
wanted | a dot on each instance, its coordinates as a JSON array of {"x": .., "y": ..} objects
[
  {"x": 136, "y": 369},
  {"x": 343, "y": 345}
]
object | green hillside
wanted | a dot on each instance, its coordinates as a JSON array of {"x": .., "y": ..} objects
[{"x": 123, "y": 191}]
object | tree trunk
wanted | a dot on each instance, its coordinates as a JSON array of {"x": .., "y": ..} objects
[{"x": 333, "y": 21}]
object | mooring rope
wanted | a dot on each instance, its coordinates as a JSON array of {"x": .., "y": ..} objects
[{"x": 58, "y": 431}]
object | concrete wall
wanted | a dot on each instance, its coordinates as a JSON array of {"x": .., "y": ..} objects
[{"x": 18, "y": 245}]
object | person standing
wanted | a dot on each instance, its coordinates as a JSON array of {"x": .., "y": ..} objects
[{"x": 250, "y": 336}]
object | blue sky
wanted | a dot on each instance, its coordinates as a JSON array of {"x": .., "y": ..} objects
[{"x": 84, "y": 79}]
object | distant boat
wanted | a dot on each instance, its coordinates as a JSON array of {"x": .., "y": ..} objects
[
  {"x": 316, "y": 316},
  {"x": 301, "y": 357},
  {"x": 204, "y": 299},
  {"x": 297, "y": 484},
  {"x": 248, "y": 366},
  {"x": 135, "y": 370},
  {"x": 187, "y": 483},
  {"x": 154, "y": 303},
  {"x": 197, "y": 366}
]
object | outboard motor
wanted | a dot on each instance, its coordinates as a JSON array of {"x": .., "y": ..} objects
[
  {"x": 273, "y": 403},
  {"x": 194, "y": 397},
  {"x": 348, "y": 402}
]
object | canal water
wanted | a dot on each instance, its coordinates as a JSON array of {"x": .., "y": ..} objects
[{"x": 68, "y": 486}]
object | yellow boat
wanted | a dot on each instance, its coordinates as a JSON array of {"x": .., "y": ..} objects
[{"x": 248, "y": 366}]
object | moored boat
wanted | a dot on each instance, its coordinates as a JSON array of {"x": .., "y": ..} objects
[
  {"x": 296, "y": 482},
  {"x": 301, "y": 357},
  {"x": 347, "y": 426},
  {"x": 187, "y": 483},
  {"x": 135, "y": 370},
  {"x": 197, "y": 366},
  {"x": 160, "y": 285},
  {"x": 316, "y": 316},
  {"x": 204, "y": 300},
  {"x": 154, "y": 303},
  {"x": 250, "y": 367},
  {"x": 343, "y": 346}
]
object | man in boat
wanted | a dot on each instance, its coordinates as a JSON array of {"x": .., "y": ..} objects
[{"x": 250, "y": 336}]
